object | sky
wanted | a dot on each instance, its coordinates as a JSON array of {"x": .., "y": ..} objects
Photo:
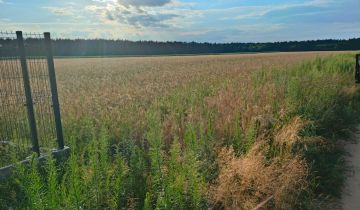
[{"x": 217, "y": 21}]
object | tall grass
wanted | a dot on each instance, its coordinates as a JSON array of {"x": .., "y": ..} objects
[{"x": 225, "y": 142}]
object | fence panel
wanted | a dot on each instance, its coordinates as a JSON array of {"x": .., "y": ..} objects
[
  {"x": 14, "y": 124},
  {"x": 27, "y": 96},
  {"x": 40, "y": 89}
]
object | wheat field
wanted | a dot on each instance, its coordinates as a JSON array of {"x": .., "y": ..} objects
[
  {"x": 105, "y": 86},
  {"x": 196, "y": 132}
]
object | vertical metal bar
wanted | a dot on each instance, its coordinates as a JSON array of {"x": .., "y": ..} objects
[
  {"x": 27, "y": 89},
  {"x": 54, "y": 94},
  {"x": 357, "y": 71}
]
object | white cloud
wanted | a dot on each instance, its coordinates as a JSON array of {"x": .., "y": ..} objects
[
  {"x": 175, "y": 15},
  {"x": 61, "y": 11},
  {"x": 142, "y": 13},
  {"x": 148, "y": 3},
  {"x": 247, "y": 12},
  {"x": 195, "y": 33}
]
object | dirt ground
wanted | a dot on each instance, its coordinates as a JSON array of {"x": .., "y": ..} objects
[{"x": 351, "y": 194}]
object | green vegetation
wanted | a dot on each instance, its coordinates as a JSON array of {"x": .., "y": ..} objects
[{"x": 229, "y": 142}]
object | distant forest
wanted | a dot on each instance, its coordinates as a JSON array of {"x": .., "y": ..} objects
[{"x": 103, "y": 47}]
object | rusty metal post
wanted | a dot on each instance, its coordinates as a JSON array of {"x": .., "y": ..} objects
[{"x": 28, "y": 96}]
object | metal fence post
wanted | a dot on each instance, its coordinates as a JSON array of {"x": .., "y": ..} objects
[
  {"x": 54, "y": 94},
  {"x": 357, "y": 71},
  {"x": 28, "y": 96}
]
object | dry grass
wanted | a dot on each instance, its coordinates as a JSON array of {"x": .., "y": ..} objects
[
  {"x": 288, "y": 136},
  {"x": 246, "y": 181}
]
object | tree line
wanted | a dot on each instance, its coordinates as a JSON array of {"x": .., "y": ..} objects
[{"x": 104, "y": 47}]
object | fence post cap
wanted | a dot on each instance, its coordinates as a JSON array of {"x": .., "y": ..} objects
[{"x": 47, "y": 34}]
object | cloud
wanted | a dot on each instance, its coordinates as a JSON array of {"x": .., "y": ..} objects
[
  {"x": 196, "y": 33},
  {"x": 139, "y": 18},
  {"x": 247, "y": 12},
  {"x": 147, "y": 3},
  {"x": 5, "y": 2},
  {"x": 141, "y": 13},
  {"x": 231, "y": 33},
  {"x": 61, "y": 11}
]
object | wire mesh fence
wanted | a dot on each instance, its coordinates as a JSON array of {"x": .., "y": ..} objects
[
  {"x": 357, "y": 69},
  {"x": 14, "y": 126},
  {"x": 40, "y": 89},
  {"x": 27, "y": 108}
]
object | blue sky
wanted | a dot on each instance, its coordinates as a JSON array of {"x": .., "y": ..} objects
[{"x": 185, "y": 20}]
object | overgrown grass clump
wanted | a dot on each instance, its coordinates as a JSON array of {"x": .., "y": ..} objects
[{"x": 226, "y": 144}]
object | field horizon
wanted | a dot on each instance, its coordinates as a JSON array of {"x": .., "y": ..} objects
[{"x": 204, "y": 54}]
